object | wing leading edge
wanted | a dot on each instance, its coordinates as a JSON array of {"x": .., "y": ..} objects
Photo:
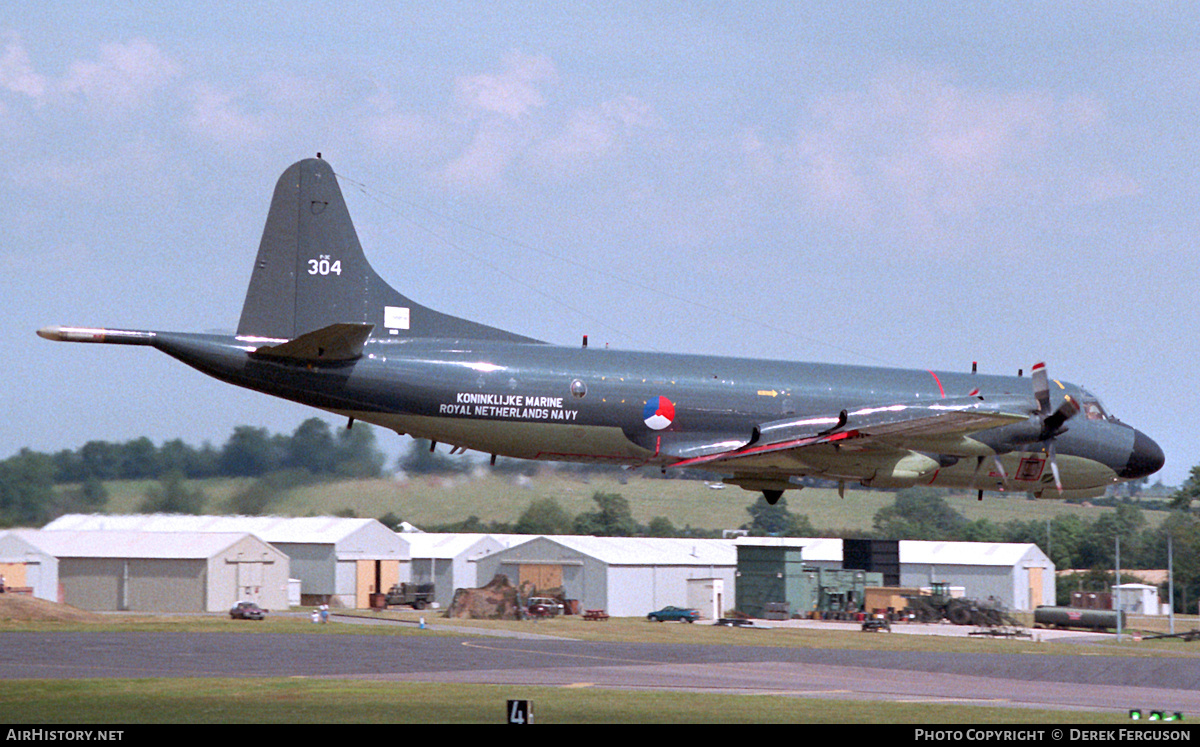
[{"x": 859, "y": 442}]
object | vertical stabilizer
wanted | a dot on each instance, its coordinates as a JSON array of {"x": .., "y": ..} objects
[{"x": 311, "y": 272}]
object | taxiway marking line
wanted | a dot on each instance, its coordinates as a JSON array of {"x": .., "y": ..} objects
[{"x": 933, "y": 699}]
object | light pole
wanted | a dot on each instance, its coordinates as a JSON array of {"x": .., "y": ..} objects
[
  {"x": 1171, "y": 583},
  {"x": 1117, "y": 589}
]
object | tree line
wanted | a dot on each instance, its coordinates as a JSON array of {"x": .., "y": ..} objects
[
  {"x": 35, "y": 487},
  {"x": 249, "y": 452}
]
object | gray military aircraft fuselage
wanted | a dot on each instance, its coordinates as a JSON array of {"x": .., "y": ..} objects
[{"x": 321, "y": 328}]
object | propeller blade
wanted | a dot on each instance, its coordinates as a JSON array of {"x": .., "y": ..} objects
[
  {"x": 1000, "y": 468},
  {"x": 1041, "y": 387},
  {"x": 1054, "y": 467}
]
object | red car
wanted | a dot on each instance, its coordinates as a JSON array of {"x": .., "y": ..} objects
[{"x": 247, "y": 611}]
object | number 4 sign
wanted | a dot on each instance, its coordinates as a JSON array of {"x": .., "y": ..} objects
[{"x": 520, "y": 712}]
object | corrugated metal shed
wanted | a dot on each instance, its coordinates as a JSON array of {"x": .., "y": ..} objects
[
  {"x": 1018, "y": 575},
  {"x": 623, "y": 575},
  {"x": 308, "y": 529},
  {"x": 633, "y": 575},
  {"x": 26, "y": 566},
  {"x": 338, "y": 560},
  {"x": 652, "y": 550},
  {"x": 824, "y": 552},
  {"x": 963, "y": 553},
  {"x": 446, "y": 545},
  {"x": 163, "y": 571},
  {"x": 129, "y": 544}
]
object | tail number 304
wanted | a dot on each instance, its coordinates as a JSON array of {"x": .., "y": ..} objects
[{"x": 323, "y": 266}]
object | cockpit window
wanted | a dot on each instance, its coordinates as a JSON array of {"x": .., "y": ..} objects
[{"x": 1091, "y": 408}]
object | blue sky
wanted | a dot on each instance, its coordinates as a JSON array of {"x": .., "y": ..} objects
[{"x": 916, "y": 184}]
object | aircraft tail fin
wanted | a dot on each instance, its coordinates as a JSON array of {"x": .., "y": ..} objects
[{"x": 311, "y": 272}]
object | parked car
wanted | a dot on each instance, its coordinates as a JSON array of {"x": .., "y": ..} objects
[
  {"x": 674, "y": 613},
  {"x": 247, "y": 611},
  {"x": 545, "y": 606}
]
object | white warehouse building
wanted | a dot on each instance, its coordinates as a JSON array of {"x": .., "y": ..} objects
[
  {"x": 625, "y": 576},
  {"x": 1020, "y": 576},
  {"x": 115, "y": 570},
  {"x": 339, "y": 561}
]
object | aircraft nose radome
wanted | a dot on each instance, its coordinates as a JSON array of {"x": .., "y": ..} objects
[{"x": 1145, "y": 458}]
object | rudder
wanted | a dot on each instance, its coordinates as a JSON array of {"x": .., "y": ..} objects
[{"x": 311, "y": 272}]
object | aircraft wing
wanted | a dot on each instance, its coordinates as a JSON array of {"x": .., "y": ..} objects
[{"x": 888, "y": 431}]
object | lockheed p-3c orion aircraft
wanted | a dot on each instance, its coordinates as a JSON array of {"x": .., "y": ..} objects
[{"x": 321, "y": 328}]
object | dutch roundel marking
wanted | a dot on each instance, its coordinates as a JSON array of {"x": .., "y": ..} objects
[{"x": 658, "y": 413}]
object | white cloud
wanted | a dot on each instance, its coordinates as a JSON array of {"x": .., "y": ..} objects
[
  {"x": 498, "y": 110},
  {"x": 16, "y": 71},
  {"x": 509, "y": 124},
  {"x": 915, "y": 150},
  {"x": 592, "y": 134},
  {"x": 418, "y": 137},
  {"x": 511, "y": 93},
  {"x": 486, "y": 158},
  {"x": 217, "y": 116},
  {"x": 123, "y": 77}
]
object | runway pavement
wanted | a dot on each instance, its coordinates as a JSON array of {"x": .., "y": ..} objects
[{"x": 1038, "y": 680}]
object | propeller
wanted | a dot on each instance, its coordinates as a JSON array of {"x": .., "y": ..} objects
[
  {"x": 1053, "y": 423},
  {"x": 1044, "y": 426}
]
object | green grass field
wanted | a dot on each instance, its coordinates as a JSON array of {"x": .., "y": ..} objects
[
  {"x": 430, "y": 501},
  {"x": 340, "y": 701}
]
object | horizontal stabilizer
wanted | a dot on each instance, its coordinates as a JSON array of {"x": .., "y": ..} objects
[{"x": 333, "y": 344}]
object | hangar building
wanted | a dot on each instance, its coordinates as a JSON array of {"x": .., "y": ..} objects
[
  {"x": 338, "y": 561},
  {"x": 25, "y": 566},
  {"x": 1020, "y": 576},
  {"x": 113, "y": 570},
  {"x": 448, "y": 560},
  {"x": 625, "y": 576}
]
